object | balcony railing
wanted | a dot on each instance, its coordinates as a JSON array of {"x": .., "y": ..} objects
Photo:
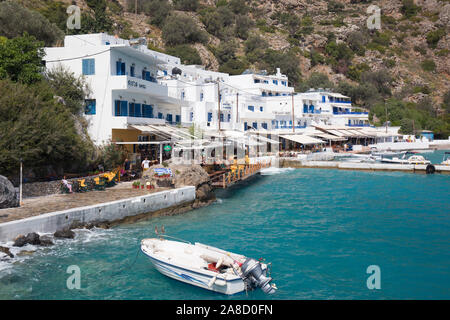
[
  {"x": 349, "y": 112},
  {"x": 359, "y": 125}
]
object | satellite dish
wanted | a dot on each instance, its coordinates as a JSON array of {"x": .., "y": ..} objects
[{"x": 176, "y": 71}]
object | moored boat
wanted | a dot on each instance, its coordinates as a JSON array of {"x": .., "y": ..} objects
[{"x": 207, "y": 267}]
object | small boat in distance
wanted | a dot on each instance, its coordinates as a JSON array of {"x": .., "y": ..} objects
[{"x": 207, "y": 267}]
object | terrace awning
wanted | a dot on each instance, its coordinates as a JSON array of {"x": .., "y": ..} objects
[
  {"x": 327, "y": 136},
  {"x": 302, "y": 139}
]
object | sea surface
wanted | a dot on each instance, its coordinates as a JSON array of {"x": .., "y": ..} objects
[{"x": 321, "y": 229}]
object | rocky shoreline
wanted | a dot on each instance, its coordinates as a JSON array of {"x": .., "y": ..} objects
[{"x": 183, "y": 176}]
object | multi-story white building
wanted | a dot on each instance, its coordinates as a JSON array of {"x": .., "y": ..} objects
[{"x": 133, "y": 87}]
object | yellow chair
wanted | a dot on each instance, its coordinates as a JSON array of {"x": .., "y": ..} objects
[{"x": 82, "y": 185}]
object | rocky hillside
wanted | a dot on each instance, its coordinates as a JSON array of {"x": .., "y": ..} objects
[{"x": 316, "y": 43}]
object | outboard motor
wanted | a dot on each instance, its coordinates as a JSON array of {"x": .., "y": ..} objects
[{"x": 255, "y": 277}]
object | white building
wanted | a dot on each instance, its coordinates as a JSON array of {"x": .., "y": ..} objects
[{"x": 133, "y": 88}]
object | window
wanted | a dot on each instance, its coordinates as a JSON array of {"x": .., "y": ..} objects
[
  {"x": 305, "y": 108},
  {"x": 147, "y": 111},
  {"x": 264, "y": 94},
  {"x": 266, "y": 81},
  {"x": 264, "y": 125},
  {"x": 90, "y": 106},
  {"x": 221, "y": 117},
  {"x": 209, "y": 116},
  {"x": 261, "y": 109},
  {"x": 251, "y": 108},
  {"x": 137, "y": 110},
  {"x": 182, "y": 95},
  {"x": 255, "y": 125},
  {"x": 131, "y": 109},
  {"x": 132, "y": 71},
  {"x": 323, "y": 98},
  {"x": 256, "y": 81},
  {"x": 88, "y": 67},
  {"x": 120, "y": 68},
  {"x": 169, "y": 118},
  {"x": 229, "y": 117},
  {"x": 160, "y": 115},
  {"x": 177, "y": 118},
  {"x": 201, "y": 96},
  {"x": 283, "y": 83},
  {"x": 245, "y": 126},
  {"x": 121, "y": 108},
  {"x": 275, "y": 82},
  {"x": 191, "y": 116}
]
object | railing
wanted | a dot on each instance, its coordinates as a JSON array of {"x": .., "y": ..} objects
[
  {"x": 360, "y": 125},
  {"x": 348, "y": 102},
  {"x": 289, "y": 127},
  {"x": 240, "y": 172},
  {"x": 349, "y": 112}
]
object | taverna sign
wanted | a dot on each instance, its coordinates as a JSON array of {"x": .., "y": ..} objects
[{"x": 133, "y": 83}]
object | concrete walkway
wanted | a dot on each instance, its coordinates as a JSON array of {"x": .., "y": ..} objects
[{"x": 58, "y": 202}]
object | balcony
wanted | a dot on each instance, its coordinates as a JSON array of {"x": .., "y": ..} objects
[
  {"x": 359, "y": 125},
  {"x": 138, "y": 85},
  {"x": 349, "y": 112}
]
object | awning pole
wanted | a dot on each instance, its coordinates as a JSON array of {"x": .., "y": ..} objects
[{"x": 160, "y": 153}]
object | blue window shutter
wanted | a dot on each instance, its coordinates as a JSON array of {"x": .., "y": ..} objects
[
  {"x": 124, "y": 108},
  {"x": 122, "y": 69},
  {"x": 177, "y": 118},
  {"x": 209, "y": 116},
  {"x": 85, "y": 67},
  {"x": 118, "y": 68},
  {"x": 92, "y": 66},
  {"x": 117, "y": 108},
  {"x": 255, "y": 125},
  {"x": 245, "y": 126},
  {"x": 137, "y": 110},
  {"x": 221, "y": 117},
  {"x": 132, "y": 71},
  {"x": 229, "y": 117}
]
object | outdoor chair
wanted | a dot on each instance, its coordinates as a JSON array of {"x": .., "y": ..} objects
[
  {"x": 82, "y": 186},
  {"x": 99, "y": 183}
]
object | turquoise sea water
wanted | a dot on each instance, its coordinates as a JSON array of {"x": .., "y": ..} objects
[{"x": 321, "y": 229}]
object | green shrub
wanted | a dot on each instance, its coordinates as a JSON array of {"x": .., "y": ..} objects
[
  {"x": 243, "y": 25},
  {"x": 21, "y": 59},
  {"x": 354, "y": 72},
  {"x": 428, "y": 65},
  {"x": 357, "y": 41},
  {"x": 186, "y": 53},
  {"x": 186, "y": 5},
  {"x": 181, "y": 29},
  {"x": 433, "y": 37},
  {"x": 389, "y": 63},
  {"x": 442, "y": 53},
  {"x": 420, "y": 49},
  {"x": 334, "y": 6},
  {"x": 15, "y": 20},
  {"x": 409, "y": 8}
]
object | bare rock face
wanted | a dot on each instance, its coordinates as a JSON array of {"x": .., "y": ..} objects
[
  {"x": 8, "y": 197},
  {"x": 183, "y": 175}
]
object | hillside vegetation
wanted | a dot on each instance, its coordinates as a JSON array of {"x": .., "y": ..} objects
[{"x": 402, "y": 67}]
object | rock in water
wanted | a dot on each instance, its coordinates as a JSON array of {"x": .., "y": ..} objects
[
  {"x": 8, "y": 197},
  {"x": 66, "y": 233},
  {"x": 6, "y": 251},
  {"x": 31, "y": 238},
  {"x": 46, "y": 241}
]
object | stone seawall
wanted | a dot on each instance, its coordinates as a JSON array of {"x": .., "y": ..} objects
[{"x": 172, "y": 201}]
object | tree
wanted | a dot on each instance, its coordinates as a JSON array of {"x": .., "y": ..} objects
[
  {"x": 16, "y": 20},
  {"x": 357, "y": 41},
  {"x": 38, "y": 129},
  {"x": 409, "y": 8},
  {"x": 96, "y": 19},
  {"x": 186, "y": 5},
  {"x": 21, "y": 59},
  {"x": 70, "y": 88},
  {"x": 286, "y": 61},
  {"x": 243, "y": 24},
  {"x": 181, "y": 29},
  {"x": 216, "y": 20},
  {"x": 381, "y": 80},
  {"x": 186, "y": 53}
]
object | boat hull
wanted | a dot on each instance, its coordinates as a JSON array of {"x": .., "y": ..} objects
[{"x": 195, "y": 278}]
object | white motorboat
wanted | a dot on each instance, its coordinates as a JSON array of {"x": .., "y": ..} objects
[
  {"x": 207, "y": 267},
  {"x": 415, "y": 159},
  {"x": 446, "y": 159},
  {"x": 274, "y": 170}
]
